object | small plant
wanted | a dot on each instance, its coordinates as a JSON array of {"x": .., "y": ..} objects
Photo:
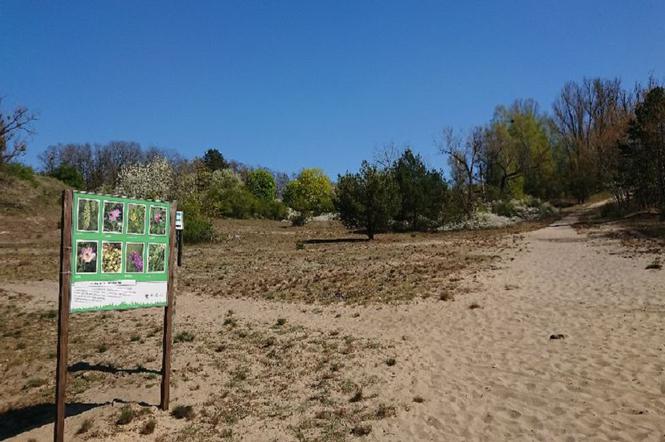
[
  {"x": 183, "y": 336},
  {"x": 418, "y": 399},
  {"x": 361, "y": 430},
  {"x": 357, "y": 396},
  {"x": 474, "y": 306},
  {"x": 299, "y": 244},
  {"x": 148, "y": 427},
  {"x": 446, "y": 296},
  {"x": 102, "y": 348},
  {"x": 280, "y": 322},
  {"x": 385, "y": 411},
  {"x": 390, "y": 362},
  {"x": 34, "y": 383},
  {"x": 134, "y": 338},
  {"x": 183, "y": 412},
  {"x": 126, "y": 415},
  {"x": 86, "y": 425},
  {"x": 655, "y": 265}
]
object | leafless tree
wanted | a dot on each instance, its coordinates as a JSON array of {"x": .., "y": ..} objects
[
  {"x": 387, "y": 155},
  {"x": 14, "y": 127},
  {"x": 464, "y": 157},
  {"x": 590, "y": 118}
]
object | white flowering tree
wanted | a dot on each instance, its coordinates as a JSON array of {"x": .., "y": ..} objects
[{"x": 153, "y": 180}]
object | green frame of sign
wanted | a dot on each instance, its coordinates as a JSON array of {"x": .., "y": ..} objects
[{"x": 100, "y": 231}]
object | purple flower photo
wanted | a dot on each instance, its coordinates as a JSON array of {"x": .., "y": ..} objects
[
  {"x": 113, "y": 217},
  {"x": 134, "y": 258}
]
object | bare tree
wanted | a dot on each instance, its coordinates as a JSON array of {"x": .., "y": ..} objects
[
  {"x": 464, "y": 157},
  {"x": 14, "y": 126},
  {"x": 590, "y": 118},
  {"x": 387, "y": 155}
]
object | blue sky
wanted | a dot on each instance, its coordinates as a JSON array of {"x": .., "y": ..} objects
[{"x": 292, "y": 84}]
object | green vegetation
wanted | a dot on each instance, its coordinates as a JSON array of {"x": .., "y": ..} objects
[
  {"x": 127, "y": 415},
  {"x": 183, "y": 336},
  {"x": 598, "y": 137},
  {"x": 311, "y": 194},
  {"x": 369, "y": 199}
]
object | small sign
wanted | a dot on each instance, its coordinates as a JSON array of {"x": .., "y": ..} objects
[
  {"x": 179, "y": 220},
  {"x": 119, "y": 253}
]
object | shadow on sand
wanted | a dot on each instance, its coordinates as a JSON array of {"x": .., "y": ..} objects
[
  {"x": 17, "y": 421},
  {"x": 85, "y": 366},
  {"x": 334, "y": 240}
]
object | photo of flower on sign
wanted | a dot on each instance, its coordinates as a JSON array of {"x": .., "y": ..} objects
[
  {"x": 120, "y": 250},
  {"x": 113, "y": 217}
]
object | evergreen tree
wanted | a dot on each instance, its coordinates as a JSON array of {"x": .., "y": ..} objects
[{"x": 368, "y": 199}]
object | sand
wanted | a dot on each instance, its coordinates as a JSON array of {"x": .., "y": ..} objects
[{"x": 493, "y": 372}]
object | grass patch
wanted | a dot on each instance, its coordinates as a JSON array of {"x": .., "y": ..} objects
[
  {"x": 148, "y": 427},
  {"x": 86, "y": 425},
  {"x": 183, "y": 412},
  {"x": 126, "y": 415},
  {"x": 183, "y": 336},
  {"x": 361, "y": 430},
  {"x": 446, "y": 296},
  {"x": 34, "y": 383}
]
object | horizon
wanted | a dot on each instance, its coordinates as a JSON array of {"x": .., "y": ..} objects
[{"x": 305, "y": 85}]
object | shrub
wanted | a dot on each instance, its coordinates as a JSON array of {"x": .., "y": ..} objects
[
  {"x": 126, "y": 415},
  {"x": 183, "y": 336},
  {"x": 261, "y": 184},
  {"x": 18, "y": 170},
  {"x": 368, "y": 199},
  {"x": 198, "y": 227},
  {"x": 153, "y": 180},
  {"x": 69, "y": 175},
  {"x": 505, "y": 208},
  {"x": 183, "y": 412},
  {"x": 311, "y": 193}
]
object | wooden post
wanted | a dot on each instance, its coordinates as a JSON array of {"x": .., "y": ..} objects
[
  {"x": 168, "y": 315},
  {"x": 179, "y": 234},
  {"x": 63, "y": 314}
]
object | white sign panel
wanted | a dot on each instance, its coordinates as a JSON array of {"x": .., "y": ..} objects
[{"x": 113, "y": 295}]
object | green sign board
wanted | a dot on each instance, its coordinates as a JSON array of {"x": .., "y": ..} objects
[{"x": 120, "y": 250}]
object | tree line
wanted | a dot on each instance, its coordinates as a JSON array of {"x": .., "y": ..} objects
[{"x": 598, "y": 136}]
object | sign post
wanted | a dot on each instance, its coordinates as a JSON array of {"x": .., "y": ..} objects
[
  {"x": 116, "y": 254},
  {"x": 179, "y": 227},
  {"x": 63, "y": 315}
]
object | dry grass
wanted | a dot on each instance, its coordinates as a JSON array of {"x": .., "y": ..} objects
[{"x": 333, "y": 266}]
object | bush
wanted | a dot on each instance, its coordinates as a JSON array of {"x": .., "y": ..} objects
[
  {"x": 18, "y": 170},
  {"x": 69, "y": 175},
  {"x": 198, "y": 227},
  {"x": 153, "y": 180},
  {"x": 261, "y": 184},
  {"x": 368, "y": 199},
  {"x": 311, "y": 193},
  {"x": 505, "y": 208}
]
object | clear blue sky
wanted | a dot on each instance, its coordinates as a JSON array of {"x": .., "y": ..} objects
[{"x": 290, "y": 84}]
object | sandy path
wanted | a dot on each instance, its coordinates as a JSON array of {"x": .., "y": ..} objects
[{"x": 492, "y": 373}]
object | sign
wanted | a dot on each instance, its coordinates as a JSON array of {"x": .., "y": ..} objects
[
  {"x": 179, "y": 221},
  {"x": 116, "y": 253},
  {"x": 120, "y": 250}
]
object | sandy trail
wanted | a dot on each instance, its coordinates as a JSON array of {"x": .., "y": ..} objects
[{"x": 493, "y": 373}]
